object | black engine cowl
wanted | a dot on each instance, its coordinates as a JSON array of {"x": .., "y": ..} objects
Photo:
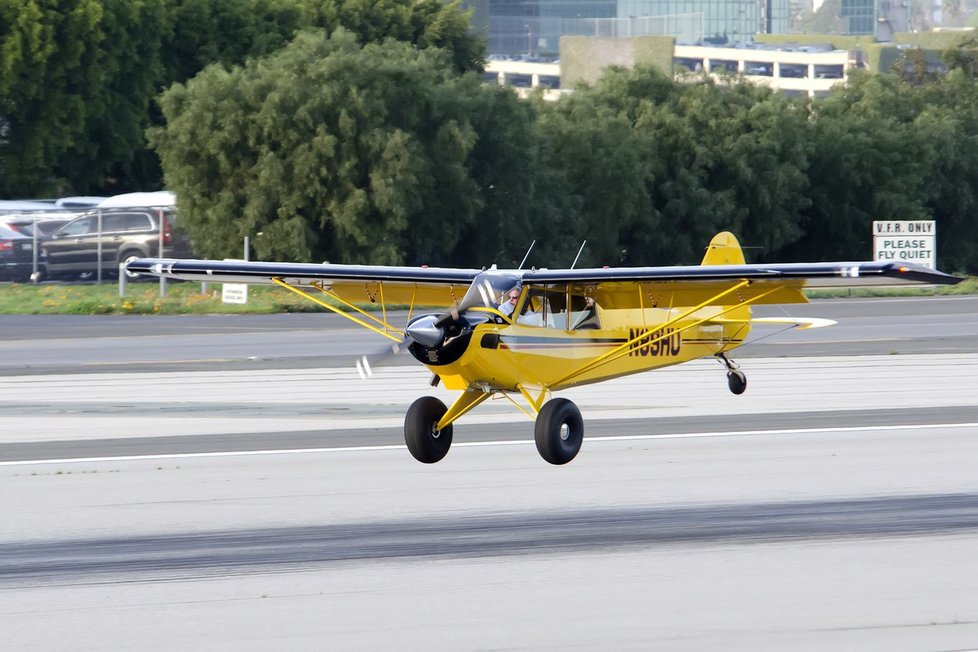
[{"x": 455, "y": 335}]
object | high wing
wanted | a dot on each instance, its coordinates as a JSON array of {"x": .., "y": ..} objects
[
  {"x": 613, "y": 287},
  {"x": 429, "y": 286},
  {"x": 616, "y": 287},
  {"x": 836, "y": 274}
]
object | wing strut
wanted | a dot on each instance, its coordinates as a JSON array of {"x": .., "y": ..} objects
[
  {"x": 623, "y": 350},
  {"x": 385, "y": 331}
]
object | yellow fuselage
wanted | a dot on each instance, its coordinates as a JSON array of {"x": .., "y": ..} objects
[{"x": 501, "y": 356}]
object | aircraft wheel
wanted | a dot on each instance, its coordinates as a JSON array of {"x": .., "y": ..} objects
[
  {"x": 559, "y": 431},
  {"x": 425, "y": 443},
  {"x": 736, "y": 381}
]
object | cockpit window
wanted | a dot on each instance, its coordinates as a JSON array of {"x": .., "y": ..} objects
[{"x": 556, "y": 308}]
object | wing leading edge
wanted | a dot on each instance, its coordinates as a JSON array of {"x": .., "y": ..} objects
[
  {"x": 431, "y": 286},
  {"x": 617, "y": 286},
  {"x": 810, "y": 275}
]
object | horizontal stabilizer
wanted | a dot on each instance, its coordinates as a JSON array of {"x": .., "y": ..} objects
[{"x": 801, "y": 323}]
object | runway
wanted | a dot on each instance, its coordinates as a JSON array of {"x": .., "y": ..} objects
[{"x": 834, "y": 505}]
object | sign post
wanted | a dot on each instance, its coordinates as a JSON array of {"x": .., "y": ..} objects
[{"x": 913, "y": 241}]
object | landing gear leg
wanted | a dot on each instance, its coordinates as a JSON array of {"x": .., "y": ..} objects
[
  {"x": 427, "y": 444},
  {"x": 736, "y": 380},
  {"x": 559, "y": 431}
]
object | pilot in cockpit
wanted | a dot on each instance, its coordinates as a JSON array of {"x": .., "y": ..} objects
[{"x": 509, "y": 300}]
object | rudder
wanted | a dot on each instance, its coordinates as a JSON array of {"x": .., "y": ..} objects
[{"x": 724, "y": 249}]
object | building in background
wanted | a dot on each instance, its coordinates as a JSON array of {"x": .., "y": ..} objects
[
  {"x": 532, "y": 28},
  {"x": 893, "y": 16},
  {"x": 809, "y": 65},
  {"x": 860, "y": 16}
]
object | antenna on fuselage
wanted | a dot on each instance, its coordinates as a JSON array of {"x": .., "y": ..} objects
[
  {"x": 578, "y": 254},
  {"x": 527, "y": 254}
]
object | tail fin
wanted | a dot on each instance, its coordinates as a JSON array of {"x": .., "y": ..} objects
[{"x": 724, "y": 250}]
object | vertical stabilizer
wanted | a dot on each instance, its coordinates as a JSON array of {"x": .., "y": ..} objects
[{"x": 724, "y": 250}]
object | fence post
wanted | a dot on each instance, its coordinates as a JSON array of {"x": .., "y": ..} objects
[
  {"x": 159, "y": 218},
  {"x": 98, "y": 256}
]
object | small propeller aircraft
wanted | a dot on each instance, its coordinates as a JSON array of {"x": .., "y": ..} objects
[{"x": 530, "y": 333}]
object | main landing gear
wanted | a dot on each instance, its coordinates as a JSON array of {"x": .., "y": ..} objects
[
  {"x": 736, "y": 380},
  {"x": 425, "y": 443},
  {"x": 558, "y": 433}
]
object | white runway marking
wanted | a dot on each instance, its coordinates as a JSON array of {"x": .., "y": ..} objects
[{"x": 473, "y": 444}]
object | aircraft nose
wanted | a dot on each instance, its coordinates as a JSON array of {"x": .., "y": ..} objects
[{"x": 424, "y": 331}]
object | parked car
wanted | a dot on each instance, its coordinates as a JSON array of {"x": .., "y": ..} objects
[
  {"x": 126, "y": 234},
  {"x": 16, "y": 255},
  {"x": 45, "y": 224}
]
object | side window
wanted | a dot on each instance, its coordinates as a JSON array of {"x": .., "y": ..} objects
[
  {"x": 113, "y": 222},
  {"x": 584, "y": 313},
  {"x": 79, "y": 227},
  {"x": 138, "y": 222},
  {"x": 548, "y": 307},
  {"x": 544, "y": 307}
]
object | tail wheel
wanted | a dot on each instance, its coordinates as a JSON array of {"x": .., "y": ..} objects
[
  {"x": 425, "y": 443},
  {"x": 736, "y": 381},
  {"x": 559, "y": 431}
]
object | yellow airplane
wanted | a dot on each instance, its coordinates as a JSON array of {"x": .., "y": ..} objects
[{"x": 530, "y": 333}]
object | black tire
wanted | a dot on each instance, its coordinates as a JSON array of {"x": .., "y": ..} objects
[
  {"x": 737, "y": 381},
  {"x": 559, "y": 431},
  {"x": 425, "y": 443}
]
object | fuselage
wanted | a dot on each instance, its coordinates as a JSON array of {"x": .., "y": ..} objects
[{"x": 496, "y": 354}]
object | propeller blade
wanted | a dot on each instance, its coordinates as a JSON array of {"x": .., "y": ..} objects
[
  {"x": 366, "y": 363},
  {"x": 363, "y": 368},
  {"x": 484, "y": 291}
]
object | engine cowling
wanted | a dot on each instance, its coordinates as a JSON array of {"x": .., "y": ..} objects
[{"x": 436, "y": 341}]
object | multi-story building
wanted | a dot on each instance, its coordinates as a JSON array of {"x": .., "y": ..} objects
[
  {"x": 809, "y": 70},
  {"x": 532, "y": 28}
]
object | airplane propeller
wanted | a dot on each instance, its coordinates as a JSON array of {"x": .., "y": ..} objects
[
  {"x": 432, "y": 330},
  {"x": 366, "y": 362}
]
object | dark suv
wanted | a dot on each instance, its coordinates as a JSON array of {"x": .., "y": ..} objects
[{"x": 126, "y": 234}]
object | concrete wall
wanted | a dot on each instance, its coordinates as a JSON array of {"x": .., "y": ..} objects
[{"x": 584, "y": 58}]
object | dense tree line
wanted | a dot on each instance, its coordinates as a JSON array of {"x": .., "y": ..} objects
[
  {"x": 78, "y": 78},
  {"x": 360, "y": 131}
]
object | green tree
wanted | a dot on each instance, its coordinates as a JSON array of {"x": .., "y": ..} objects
[
  {"x": 45, "y": 47},
  {"x": 736, "y": 159},
  {"x": 652, "y": 169},
  {"x": 963, "y": 55},
  {"x": 425, "y": 23},
  {"x": 867, "y": 162},
  {"x": 202, "y": 32},
  {"x": 331, "y": 150},
  {"x": 78, "y": 78},
  {"x": 601, "y": 165},
  {"x": 948, "y": 127},
  {"x": 504, "y": 166},
  {"x": 76, "y": 82}
]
